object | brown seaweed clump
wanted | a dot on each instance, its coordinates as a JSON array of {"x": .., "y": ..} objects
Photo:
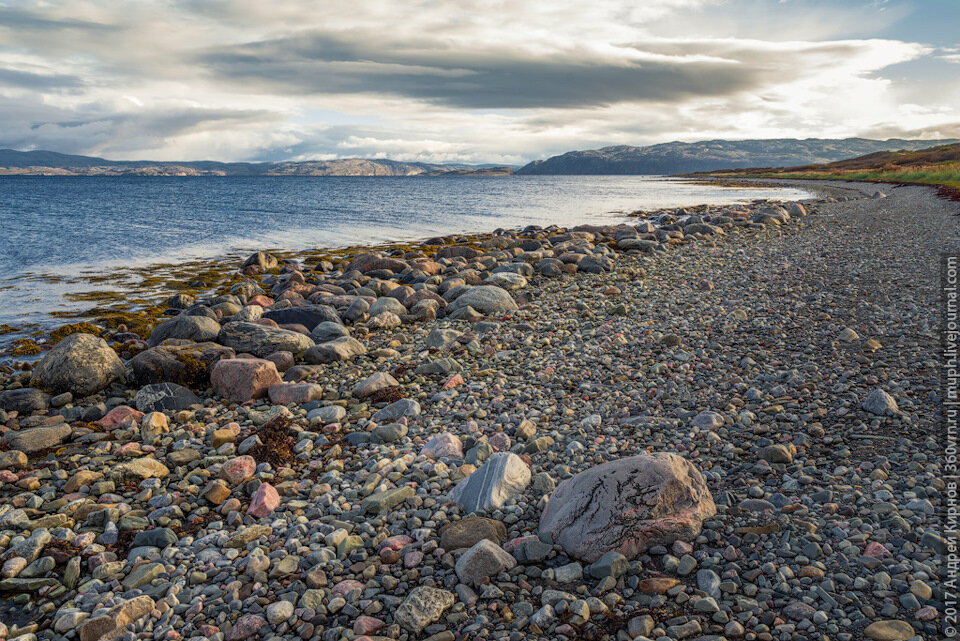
[
  {"x": 82, "y": 327},
  {"x": 276, "y": 446}
]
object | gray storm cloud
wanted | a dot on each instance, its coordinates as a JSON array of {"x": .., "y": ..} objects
[{"x": 468, "y": 80}]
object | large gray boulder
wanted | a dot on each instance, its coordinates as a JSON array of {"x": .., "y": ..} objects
[
  {"x": 501, "y": 477},
  {"x": 24, "y": 400},
  {"x": 262, "y": 341},
  {"x": 387, "y": 304},
  {"x": 82, "y": 364},
  {"x": 194, "y": 328},
  {"x": 37, "y": 438},
  {"x": 628, "y": 506},
  {"x": 344, "y": 348},
  {"x": 307, "y": 315},
  {"x": 486, "y": 299}
]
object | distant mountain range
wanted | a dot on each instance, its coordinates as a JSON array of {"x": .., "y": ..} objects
[
  {"x": 710, "y": 155},
  {"x": 666, "y": 158},
  {"x": 51, "y": 163}
]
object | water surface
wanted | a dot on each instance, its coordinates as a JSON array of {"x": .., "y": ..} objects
[{"x": 57, "y": 232}]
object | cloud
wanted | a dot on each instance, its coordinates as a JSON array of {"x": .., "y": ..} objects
[{"x": 451, "y": 80}]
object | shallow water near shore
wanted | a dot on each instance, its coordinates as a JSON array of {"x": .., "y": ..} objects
[{"x": 64, "y": 236}]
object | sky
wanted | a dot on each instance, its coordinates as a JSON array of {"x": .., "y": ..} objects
[{"x": 466, "y": 81}]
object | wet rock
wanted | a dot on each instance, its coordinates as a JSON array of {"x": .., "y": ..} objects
[
  {"x": 182, "y": 364},
  {"x": 890, "y": 630}
]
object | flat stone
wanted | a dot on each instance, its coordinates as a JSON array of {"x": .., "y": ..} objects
[
  {"x": 383, "y": 501},
  {"x": 889, "y": 630},
  {"x": 37, "y": 438}
]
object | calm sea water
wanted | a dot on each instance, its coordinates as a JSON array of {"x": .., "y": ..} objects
[{"x": 75, "y": 227}]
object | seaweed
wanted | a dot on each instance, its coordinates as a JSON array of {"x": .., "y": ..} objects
[
  {"x": 82, "y": 327},
  {"x": 276, "y": 443},
  {"x": 25, "y": 347}
]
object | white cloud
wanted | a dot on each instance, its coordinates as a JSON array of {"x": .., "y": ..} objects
[{"x": 435, "y": 80}]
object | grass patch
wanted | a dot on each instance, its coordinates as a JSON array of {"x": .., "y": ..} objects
[{"x": 936, "y": 166}]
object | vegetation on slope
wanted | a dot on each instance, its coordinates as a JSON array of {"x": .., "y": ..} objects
[{"x": 938, "y": 166}]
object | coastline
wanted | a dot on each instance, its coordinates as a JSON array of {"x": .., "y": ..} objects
[
  {"x": 116, "y": 292},
  {"x": 755, "y": 354}
]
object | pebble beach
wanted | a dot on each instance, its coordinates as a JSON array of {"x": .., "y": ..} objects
[{"x": 721, "y": 422}]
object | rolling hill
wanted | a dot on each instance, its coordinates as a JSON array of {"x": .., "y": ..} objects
[{"x": 709, "y": 155}]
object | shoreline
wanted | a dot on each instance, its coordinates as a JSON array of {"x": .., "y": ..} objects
[
  {"x": 142, "y": 286},
  {"x": 398, "y": 482}
]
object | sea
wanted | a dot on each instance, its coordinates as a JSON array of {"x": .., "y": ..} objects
[{"x": 63, "y": 236}]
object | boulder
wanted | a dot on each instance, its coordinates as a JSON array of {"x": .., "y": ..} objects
[
  {"x": 507, "y": 280},
  {"x": 194, "y": 328},
  {"x": 165, "y": 397},
  {"x": 501, "y": 477},
  {"x": 345, "y": 348},
  {"x": 24, "y": 400},
  {"x": 242, "y": 379},
  {"x": 114, "y": 622},
  {"x": 485, "y": 559},
  {"x": 387, "y": 304},
  {"x": 445, "y": 445},
  {"x": 82, "y": 364},
  {"x": 263, "y": 260},
  {"x": 307, "y": 315},
  {"x": 441, "y": 338},
  {"x": 486, "y": 299},
  {"x": 261, "y": 341},
  {"x": 37, "y": 438},
  {"x": 264, "y": 501},
  {"x": 628, "y": 506},
  {"x": 187, "y": 365},
  {"x": 370, "y": 262},
  {"x": 327, "y": 331}
]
